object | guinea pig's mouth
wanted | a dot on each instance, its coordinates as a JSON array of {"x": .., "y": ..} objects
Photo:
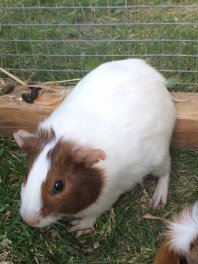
[
  {"x": 46, "y": 221},
  {"x": 34, "y": 218}
]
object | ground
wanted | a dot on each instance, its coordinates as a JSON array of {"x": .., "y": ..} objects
[{"x": 121, "y": 235}]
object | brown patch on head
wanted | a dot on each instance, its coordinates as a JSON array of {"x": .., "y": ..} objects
[
  {"x": 33, "y": 146},
  {"x": 82, "y": 184}
]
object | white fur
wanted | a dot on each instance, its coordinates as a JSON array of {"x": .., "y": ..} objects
[
  {"x": 123, "y": 108},
  {"x": 184, "y": 231},
  {"x": 30, "y": 193}
]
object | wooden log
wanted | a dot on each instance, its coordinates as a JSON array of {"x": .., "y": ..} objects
[
  {"x": 27, "y": 116},
  {"x": 185, "y": 135}
]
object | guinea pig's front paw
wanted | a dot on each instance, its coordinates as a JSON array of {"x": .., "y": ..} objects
[{"x": 85, "y": 226}]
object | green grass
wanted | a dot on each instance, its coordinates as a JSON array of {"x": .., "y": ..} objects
[{"x": 122, "y": 234}]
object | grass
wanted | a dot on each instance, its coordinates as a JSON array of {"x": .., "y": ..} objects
[{"x": 122, "y": 234}]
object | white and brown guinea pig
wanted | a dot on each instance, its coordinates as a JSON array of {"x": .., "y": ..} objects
[
  {"x": 181, "y": 243},
  {"x": 111, "y": 131}
]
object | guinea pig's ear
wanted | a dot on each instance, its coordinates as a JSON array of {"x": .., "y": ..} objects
[
  {"x": 20, "y": 135},
  {"x": 88, "y": 156}
]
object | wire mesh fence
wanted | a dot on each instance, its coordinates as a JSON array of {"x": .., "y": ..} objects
[{"x": 65, "y": 39}]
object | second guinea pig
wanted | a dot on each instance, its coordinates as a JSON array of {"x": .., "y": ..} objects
[
  {"x": 111, "y": 131},
  {"x": 181, "y": 243}
]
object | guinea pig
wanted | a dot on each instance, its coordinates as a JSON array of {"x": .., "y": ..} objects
[
  {"x": 181, "y": 243},
  {"x": 112, "y": 130}
]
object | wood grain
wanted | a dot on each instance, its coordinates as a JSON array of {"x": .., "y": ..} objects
[
  {"x": 27, "y": 116},
  {"x": 186, "y": 130}
]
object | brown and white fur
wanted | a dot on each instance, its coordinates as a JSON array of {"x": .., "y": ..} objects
[
  {"x": 181, "y": 243},
  {"x": 112, "y": 130}
]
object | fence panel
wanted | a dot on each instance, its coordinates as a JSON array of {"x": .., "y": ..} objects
[{"x": 57, "y": 40}]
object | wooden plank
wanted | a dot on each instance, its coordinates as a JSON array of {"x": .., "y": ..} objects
[
  {"x": 27, "y": 116},
  {"x": 186, "y": 130}
]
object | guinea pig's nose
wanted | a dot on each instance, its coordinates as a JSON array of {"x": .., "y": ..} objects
[{"x": 31, "y": 218}]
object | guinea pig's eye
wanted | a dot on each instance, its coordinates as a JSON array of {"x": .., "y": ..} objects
[{"x": 58, "y": 187}]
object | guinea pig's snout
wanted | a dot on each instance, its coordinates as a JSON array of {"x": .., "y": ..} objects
[{"x": 31, "y": 218}]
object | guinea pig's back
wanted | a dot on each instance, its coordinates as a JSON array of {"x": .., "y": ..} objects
[
  {"x": 120, "y": 92},
  {"x": 122, "y": 107}
]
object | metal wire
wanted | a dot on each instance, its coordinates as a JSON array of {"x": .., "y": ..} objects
[
  {"x": 180, "y": 48},
  {"x": 98, "y": 24},
  {"x": 13, "y": 35},
  {"x": 101, "y": 7},
  {"x": 92, "y": 55},
  {"x": 29, "y": 35},
  {"x": 62, "y": 36},
  {"x": 162, "y": 57},
  {"x": 100, "y": 40},
  {"x": 145, "y": 28},
  {"x": 92, "y": 40}
]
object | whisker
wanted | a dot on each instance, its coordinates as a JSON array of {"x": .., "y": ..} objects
[
  {"x": 59, "y": 224},
  {"x": 61, "y": 215}
]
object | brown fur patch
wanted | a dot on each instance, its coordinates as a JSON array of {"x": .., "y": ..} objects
[
  {"x": 165, "y": 255},
  {"x": 34, "y": 145},
  {"x": 192, "y": 256},
  {"x": 83, "y": 185}
]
